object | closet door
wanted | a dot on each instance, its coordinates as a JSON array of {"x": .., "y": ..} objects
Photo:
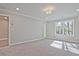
[{"x": 4, "y": 31}]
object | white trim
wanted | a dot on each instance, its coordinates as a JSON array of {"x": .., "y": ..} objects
[
  {"x": 21, "y": 43},
  {"x": 26, "y": 41},
  {"x": 63, "y": 34},
  {"x": 45, "y": 24},
  {"x": 9, "y": 32},
  {"x": 35, "y": 18}
]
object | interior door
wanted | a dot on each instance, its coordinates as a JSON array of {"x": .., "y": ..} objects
[{"x": 4, "y": 31}]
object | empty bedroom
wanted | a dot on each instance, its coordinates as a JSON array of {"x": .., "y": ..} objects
[{"x": 39, "y": 29}]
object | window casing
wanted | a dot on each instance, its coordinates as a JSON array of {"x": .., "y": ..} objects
[{"x": 64, "y": 27}]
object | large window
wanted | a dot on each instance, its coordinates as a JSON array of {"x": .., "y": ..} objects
[{"x": 64, "y": 28}]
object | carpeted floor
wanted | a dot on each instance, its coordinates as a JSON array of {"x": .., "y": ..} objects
[{"x": 44, "y": 47}]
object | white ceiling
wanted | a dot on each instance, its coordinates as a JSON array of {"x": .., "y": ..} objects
[{"x": 35, "y": 9}]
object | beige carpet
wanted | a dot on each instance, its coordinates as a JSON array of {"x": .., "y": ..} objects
[{"x": 44, "y": 47}]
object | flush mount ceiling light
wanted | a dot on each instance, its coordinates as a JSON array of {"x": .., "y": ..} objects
[
  {"x": 17, "y": 9},
  {"x": 48, "y": 9}
]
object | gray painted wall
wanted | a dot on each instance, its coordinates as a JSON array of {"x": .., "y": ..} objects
[{"x": 24, "y": 28}]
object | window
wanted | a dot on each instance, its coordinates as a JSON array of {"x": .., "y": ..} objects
[{"x": 64, "y": 27}]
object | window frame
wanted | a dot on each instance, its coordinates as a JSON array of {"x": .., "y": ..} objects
[{"x": 63, "y": 32}]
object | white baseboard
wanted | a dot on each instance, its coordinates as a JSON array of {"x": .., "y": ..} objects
[{"x": 26, "y": 41}]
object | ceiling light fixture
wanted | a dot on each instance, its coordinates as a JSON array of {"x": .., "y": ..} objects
[
  {"x": 17, "y": 9},
  {"x": 48, "y": 9}
]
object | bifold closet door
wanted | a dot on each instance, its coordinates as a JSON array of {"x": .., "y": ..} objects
[{"x": 4, "y": 31}]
